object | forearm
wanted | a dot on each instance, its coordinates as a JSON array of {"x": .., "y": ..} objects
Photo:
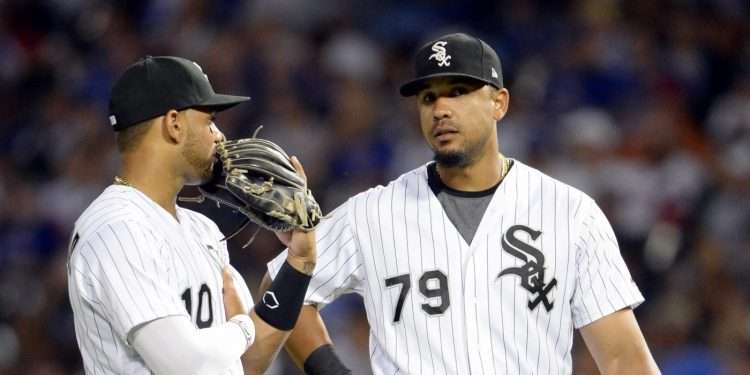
[
  {"x": 268, "y": 342},
  {"x": 645, "y": 366},
  {"x": 277, "y": 312},
  {"x": 308, "y": 335},
  {"x": 635, "y": 360},
  {"x": 310, "y": 346},
  {"x": 172, "y": 345},
  {"x": 618, "y": 346}
]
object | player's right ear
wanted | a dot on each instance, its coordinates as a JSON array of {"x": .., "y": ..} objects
[
  {"x": 173, "y": 127},
  {"x": 501, "y": 101}
]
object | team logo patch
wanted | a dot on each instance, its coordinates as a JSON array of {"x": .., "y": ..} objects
[
  {"x": 201, "y": 70},
  {"x": 531, "y": 273},
  {"x": 270, "y": 300},
  {"x": 440, "y": 55}
]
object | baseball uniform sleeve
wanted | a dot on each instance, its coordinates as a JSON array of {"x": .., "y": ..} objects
[
  {"x": 603, "y": 282},
  {"x": 339, "y": 268},
  {"x": 173, "y": 345},
  {"x": 121, "y": 268}
]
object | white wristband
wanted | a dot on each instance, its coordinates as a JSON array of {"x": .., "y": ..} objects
[{"x": 246, "y": 325}]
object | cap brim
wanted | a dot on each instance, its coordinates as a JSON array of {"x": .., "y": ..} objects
[
  {"x": 220, "y": 102},
  {"x": 414, "y": 86}
]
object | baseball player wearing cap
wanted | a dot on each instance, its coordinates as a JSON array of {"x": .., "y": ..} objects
[
  {"x": 150, "y": 283},
  {"x": 475, "y": 263}
]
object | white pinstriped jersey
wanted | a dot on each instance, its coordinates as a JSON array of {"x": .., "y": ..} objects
[
  {"x": 131, "y": 262},
  {"x": 543, "y": 261}
]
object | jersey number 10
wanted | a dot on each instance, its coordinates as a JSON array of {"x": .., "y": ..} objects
[
  {"x": 204, "y": 298},
  {"x": 430, "y": 291}
]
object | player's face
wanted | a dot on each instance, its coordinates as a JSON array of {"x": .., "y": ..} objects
[
  {"x": 458, "y": 118},
  {"x": 200, "y": 145}
]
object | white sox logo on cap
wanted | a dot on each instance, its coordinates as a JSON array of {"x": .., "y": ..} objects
[
  {"x": 440, "y": 54},
  {"x": 201, "y": 69}
]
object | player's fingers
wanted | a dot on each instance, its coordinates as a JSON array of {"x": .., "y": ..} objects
[
  {"x": 232, "y": 302},
  {"x": 298, "y": 167},
  {"x": 228, "y": 279}
]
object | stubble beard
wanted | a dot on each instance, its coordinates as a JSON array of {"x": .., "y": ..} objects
[
  {"x": 203, "y": 167},
  {"x": 451, "y": 159},
  {"x": 462, "y": 157}
]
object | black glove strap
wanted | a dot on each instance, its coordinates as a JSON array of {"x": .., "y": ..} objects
[
  {"x": 324, "y": 361},
  {"x": 281, "y": 303}
]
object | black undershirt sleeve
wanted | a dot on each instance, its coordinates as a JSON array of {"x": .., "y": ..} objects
[{"x": 324, "y": 361}]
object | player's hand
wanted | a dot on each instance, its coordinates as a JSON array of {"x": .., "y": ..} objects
[
  {"x": 302, "y": 251},
  {"x": 301, "y": 244},
  {"x": 232, "y": 302}
]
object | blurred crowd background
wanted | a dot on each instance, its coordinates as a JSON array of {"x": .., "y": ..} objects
[{"x": 643, "y": 104}]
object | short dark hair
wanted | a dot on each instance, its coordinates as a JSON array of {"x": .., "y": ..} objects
[{"x": 130, "y": 137}]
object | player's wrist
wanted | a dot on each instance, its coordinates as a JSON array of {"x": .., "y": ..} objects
[
  {"x": 306, "y": 265},
  {"x": 280, "y": 305},
  {"x": 303, "y": 246},
  {"x": 247, "y": 327},
  {"x": 324, "y": 360}
]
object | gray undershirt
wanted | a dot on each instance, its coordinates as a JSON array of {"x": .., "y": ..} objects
[{"x": 464, "y": 209}]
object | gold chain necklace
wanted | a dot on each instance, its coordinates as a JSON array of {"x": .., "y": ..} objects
[
  {"x": 122, "y": 181},
  {"x": 506, "y": 166},
  {"x": 503, "y": 169}
]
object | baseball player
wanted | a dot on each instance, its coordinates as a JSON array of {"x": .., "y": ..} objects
[
  {"x": 150, "y": 283},
  {"x": 475, "y": 263}
]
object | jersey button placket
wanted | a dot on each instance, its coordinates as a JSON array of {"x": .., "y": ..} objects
[{"x": 469, "y": 318}]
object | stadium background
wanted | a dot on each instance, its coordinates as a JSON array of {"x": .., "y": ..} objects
[{"x": 643, "y": 104}]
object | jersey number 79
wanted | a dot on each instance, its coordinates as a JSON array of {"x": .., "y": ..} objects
[{"x": 433, "y": 284}]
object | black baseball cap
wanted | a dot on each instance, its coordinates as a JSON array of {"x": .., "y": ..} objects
[
  {"x": 455, "y": 55},
  {"x": 156, "y": 84}
]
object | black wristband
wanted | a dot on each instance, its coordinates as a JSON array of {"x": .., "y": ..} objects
[
  {"x": 324, "y": 361},
  {"x": 281, "y": 303}
]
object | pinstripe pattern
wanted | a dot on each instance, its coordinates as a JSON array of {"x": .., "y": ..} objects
[
  {"x": 488, "y": 328},
  {"x": 131, "y": 265}
]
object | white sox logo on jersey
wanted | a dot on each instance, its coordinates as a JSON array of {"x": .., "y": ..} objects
[
  {"x": 531, "y": 273},
  {"x": 441, "y": 55}
]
